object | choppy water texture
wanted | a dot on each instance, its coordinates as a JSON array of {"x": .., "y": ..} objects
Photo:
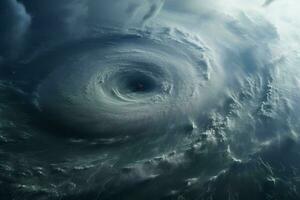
[{"x": 155, "y": 111}]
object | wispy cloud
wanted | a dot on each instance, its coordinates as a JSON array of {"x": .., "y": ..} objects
[{"x": 268, "y": 2}]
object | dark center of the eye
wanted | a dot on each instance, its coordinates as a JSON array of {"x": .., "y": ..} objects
[{"x": 141, "y": 84}]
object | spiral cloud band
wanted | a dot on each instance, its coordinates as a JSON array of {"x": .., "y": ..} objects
[
  {"x": 149, "y": 99},
  {"x": 127, "y": 83}
]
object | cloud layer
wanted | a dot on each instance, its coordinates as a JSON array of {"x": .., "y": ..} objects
[{"x": 15, "y": 22}]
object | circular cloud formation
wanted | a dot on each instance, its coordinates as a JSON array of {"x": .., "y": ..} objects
[
  {"x": 124, "y": 84},
  {"x": 145, "y": 108}
]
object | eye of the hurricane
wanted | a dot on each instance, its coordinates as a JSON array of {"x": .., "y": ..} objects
[{"x": 140, "y": 83}]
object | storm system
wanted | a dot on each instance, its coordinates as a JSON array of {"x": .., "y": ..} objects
[{"x": 149, "y": 99}]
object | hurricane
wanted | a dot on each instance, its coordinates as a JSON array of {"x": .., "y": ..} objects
[
  {"x": 122, "y": 84},
  {"x": 160, "y": 99}
]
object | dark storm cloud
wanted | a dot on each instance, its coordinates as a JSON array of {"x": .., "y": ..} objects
[
  {"x": 15, "y": 22},
  {"x": 75, "y": 16},
  {"x": 53, "y": 21}
]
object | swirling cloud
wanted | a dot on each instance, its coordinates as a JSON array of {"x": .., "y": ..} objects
[{"x": 148, "y": 99}]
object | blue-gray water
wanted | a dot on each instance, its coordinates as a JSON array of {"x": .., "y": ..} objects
[{"x": 149, "y": 100}]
